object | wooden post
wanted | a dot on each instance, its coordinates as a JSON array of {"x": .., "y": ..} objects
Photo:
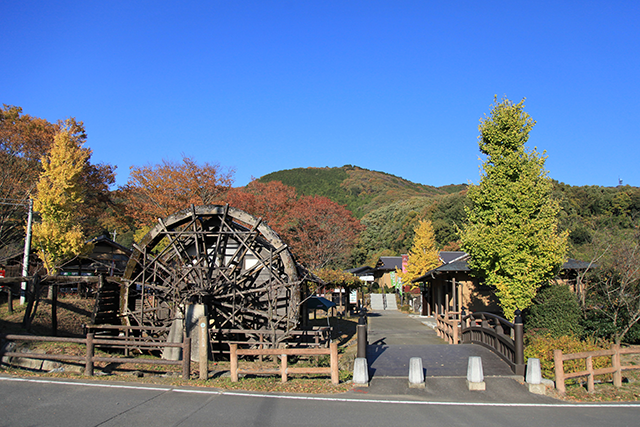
[
  {"x": 54, "y": 310},
  {"x": 615, "y": 361},
  {"x": 559, "y": 370},
  {"x": 126, "y": 340},
  {"x": 335, "y": 375},
  {"x": 261, "y": 345},
  {"x": 446, "y": 305},
  {"x": 283, "y": 368},
  {"x": 9, "y": 299},
  {"x": 186, "y": 357},
  {"x": 455, "y": 333},
  {"x": 88, "y": 367},
  {"x": 233, "y": 356},
  {"x": 203, "y": 353},
  {"x": 454, "y": 296},
  {"x": 591, "y": 388}
]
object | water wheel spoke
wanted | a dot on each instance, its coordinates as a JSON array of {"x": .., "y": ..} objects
[{"x": 220, "y": 257}]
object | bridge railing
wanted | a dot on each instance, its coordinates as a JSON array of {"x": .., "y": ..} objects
[
  {"x": 497, "y": 334},
  {"x": 448, "y": 327}
]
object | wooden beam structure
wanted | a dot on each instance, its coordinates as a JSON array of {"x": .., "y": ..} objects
[{"x": 219, "y": 257}]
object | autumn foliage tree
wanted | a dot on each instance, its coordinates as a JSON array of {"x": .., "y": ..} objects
[
  {"x": 339, "y": 279},
  {"x": 271, "y": 201},
  {"x": 512, "y": 224},
  {"x": 423, "y": 255},
  {"x": 24, "y": 140},
  {"x": 157, "y": 191},
  {"x": 60, "y": 192},
  {"x": 321, "y": 232}
]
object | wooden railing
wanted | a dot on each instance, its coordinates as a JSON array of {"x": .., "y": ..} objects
[
  {"x": 264, "y": 339},
  {"x": 89, "y": 358},
  {"x": 616, "y": 366},
  {"x": 128, "y": 336},
  {"x": 497, "y": 334},
  {"x": 284, "y": 370},
  {"x": 448, "y": 327}
]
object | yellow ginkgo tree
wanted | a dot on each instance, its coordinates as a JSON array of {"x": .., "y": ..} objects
[
  {"x": 59, "y": 236},
  {"x": 423, "y": 255}
]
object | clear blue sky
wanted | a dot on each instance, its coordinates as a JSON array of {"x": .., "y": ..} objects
[{"x": 395, "y": 86}]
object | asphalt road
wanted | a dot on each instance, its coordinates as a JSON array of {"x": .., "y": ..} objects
[{"x": 36, "y": 402}]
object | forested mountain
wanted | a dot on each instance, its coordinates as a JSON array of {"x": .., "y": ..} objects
[
  {"x": 390, "y": 207},
  {"x": 361, "y": 190}
]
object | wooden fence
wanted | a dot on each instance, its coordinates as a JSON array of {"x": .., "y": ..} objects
[
  {"x": 616, "y": 366},
  {"x": 264, "y": 339},
  {"x": 129, "y": 337},
  {"x": 89, "y": 358},
  {"x": 284, "y": 370}
]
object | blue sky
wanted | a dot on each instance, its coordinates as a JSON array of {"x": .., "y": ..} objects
[{"x": 395, "y": 86}]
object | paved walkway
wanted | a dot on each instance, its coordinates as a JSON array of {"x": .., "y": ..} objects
[{"x": 396, "y": 337}]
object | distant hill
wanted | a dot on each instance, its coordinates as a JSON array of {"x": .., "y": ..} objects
[{"x": 361, "y": 190}]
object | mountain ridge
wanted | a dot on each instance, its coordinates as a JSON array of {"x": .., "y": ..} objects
[{"x": 361, "y": 190}]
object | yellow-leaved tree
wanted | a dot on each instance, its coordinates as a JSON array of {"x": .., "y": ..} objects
[
  {"x": 59, "y": 236},
  {"x": 423, "y": 255}
]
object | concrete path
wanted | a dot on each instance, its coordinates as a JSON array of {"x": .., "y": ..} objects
[{"x": 395, "y": 337}]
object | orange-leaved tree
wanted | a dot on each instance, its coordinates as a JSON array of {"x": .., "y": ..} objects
[
  {"x": 322, "y": 232},
  {"x": 272, "y": 201},
  {"x": 157, "y": 191}
]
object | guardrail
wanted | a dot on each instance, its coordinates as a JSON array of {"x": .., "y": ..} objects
[
  {"x": 284, "y": 370},
  {"x": 616, "y": 366},
  {"x": 497, "y": 334},
  {"x": 89, "y": 358}
]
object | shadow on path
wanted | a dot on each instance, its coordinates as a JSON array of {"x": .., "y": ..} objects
[{"x": 396, "y": 337}]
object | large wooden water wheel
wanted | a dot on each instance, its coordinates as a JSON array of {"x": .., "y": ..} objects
[{"x": 217, "y": 256}]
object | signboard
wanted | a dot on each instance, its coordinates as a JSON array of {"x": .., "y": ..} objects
[{"x": 353, "y": 297}]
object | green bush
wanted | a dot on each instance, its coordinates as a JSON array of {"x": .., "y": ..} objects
[
  {"x": 555, "y": 311},
  {"x": 541, "y": 346}
]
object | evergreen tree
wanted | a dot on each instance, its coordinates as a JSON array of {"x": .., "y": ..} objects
[
  {"x": 423, "y": 255},
  {"x": 512, "y": 229},
  {"x": 59, "y": 194}
]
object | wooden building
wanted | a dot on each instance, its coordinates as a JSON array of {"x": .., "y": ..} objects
[
  {"x": 451, "y": 286},
  {"x": 106, "y": 257}
]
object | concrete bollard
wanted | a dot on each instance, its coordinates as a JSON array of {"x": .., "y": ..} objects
[
  {"x": 475, "y": 377},
  {"x": 360, "y": 372},
  {"x": 534, "y": 377},
  {"x": 416, "y": 374}
]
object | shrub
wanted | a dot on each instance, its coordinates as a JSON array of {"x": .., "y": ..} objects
[
  {"x": 541, "y": 346},
  {"x": 556, "y": 311}
]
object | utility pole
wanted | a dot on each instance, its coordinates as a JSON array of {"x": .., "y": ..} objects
[{"x": 25, "y": 258}]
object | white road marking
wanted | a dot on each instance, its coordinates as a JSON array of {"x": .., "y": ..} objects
[{"x": 326, "y": 398}]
